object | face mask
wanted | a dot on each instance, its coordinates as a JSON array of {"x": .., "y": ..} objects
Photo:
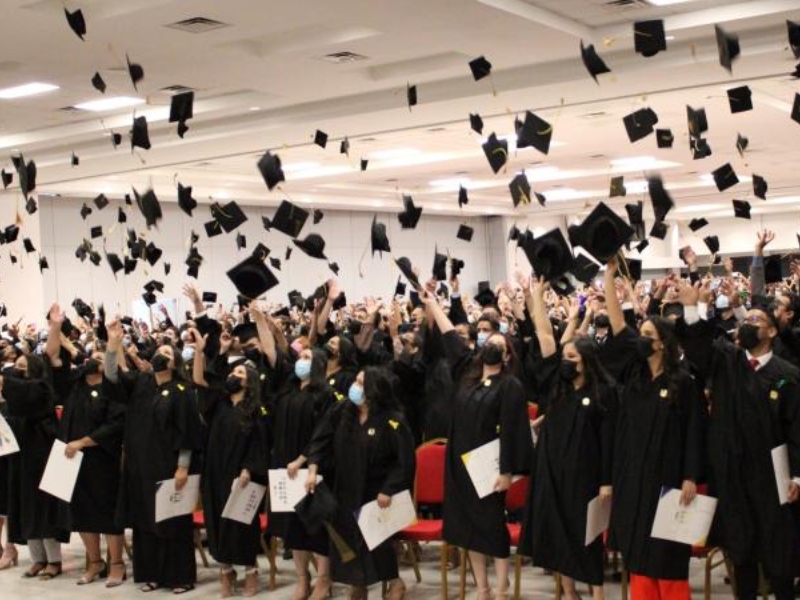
[
  {"x": 644, "y": 347},
  {"x": 91, "y": 367},
  {"x": 503, "y": 327},
  {"x": 302, "y": 368},
  {"x": 297, "y": 347},
  {"x": 233, "y": 384},
  {"x": 253, "y": 355},
  {"x": 482, "y": 337},
  {"x": 568, "y": 370},
  {"x": 356, "y": 394},
  {"x": 160, "y": 363},
  {"x": 187, "y": 353},
  {"x": 492, "y": 355},
  {"x": 126, "y": 341},
  {"x": 748, "y": 336},
  {"x": 722, "y": 303}
]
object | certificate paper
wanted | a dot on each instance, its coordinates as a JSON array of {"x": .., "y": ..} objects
[
  {"x": 243, "y": 502},
  {"x": 598, "y": 515},
  {"x": 172, "y": 503},
  {"x": 61, "y": 473},
  {"x": 483, "y": 467},
  {"x": 8, "y": 441},
  {"x": 783, "y": 476},
  {"x": 683, "y": 524},
  {"x": 379, "y": 524},
  {"x": 285, "y": 493}
]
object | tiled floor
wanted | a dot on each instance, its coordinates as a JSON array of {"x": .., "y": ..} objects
[{"x": 535, "y": 585}]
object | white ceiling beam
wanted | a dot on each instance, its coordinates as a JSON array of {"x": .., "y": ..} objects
[{"x": 542, "y": 16}]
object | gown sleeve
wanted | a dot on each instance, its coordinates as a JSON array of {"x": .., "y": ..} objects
[
  {"x": 186, "y": 417},
  {"x": 619, "y": 353},
  {"x": 108, "y": 435},
  {"x": 27, "y": 398},
  {"x": 401, "y": 476},
  {"x": 516, "y": 444},
  {"x": 319, "y": 450},
  {"x": 693, "y": 464},
  {"x": 607, "y": 433}
]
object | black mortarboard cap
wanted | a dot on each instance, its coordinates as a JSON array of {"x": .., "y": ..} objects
[
  {"x": 725, "y": 177},
  {"x": 270, "y": 168},
  {"x": 230, "y": 216},
  {"x": 334, "y": 266},
  {"x": 317, "y": 509},
  {"x": 601, "y": 234},
  {"x": 476, "y": 123},
  {"x": 632, "y": 269},
  {"x": 649, "y": 37},
  {"x": 410, "y": 215},
  {"x": 135, "y": 71},
  {"x": 727, "y": 46},
  {"x": 480, "y": 68},
  {"x": 193, "y": 261},
  {"x": 154, "y": 285},
  {"x": 43, "y": 264},
  {"x": 289, "y": 219},
  {"x": 116, "y": 139},
  {"x": 140, "y": 136},
  {"x": 185, "y": 201},
  {"x": 85, "y": 211},
  {"x": 149, "y": 298},
  {"x": 400, "y": 287},
  {"x": 641, "y": 246},
  {"x": 101, "y": 202},
  {"x": 404, "y": 264},
  {"x": 150, "y": 207},
  {"x": 28, "y": 244},
  {"x": 344, "y": 147},
  {"x": 8, "y": 178},
  {"x": 793, "y": 30},
  {"x": 75, "y": 160},
  {"x": 439, "y": 270},
  {"x": 321, "y": 138},
  {"x": 760, "y": 187},
  {"x": 584, "y": 269},
  {"x": 181, "y": 107},
  {"x": 635, "y": 213},
  {"x": 664, "y": 138},
  {"x": 772, "y": 270},
  {"x": 659, "y": 197},
  {"x": 741, "y": 144},
  {"x": 241, "y": 241},
  {"x": 520, "y": 189},
  {"x": 31, "y": 206},
  {"x": 617, "y": 187},
  {"x": 740, "y": 99},
  {"x": 288, "y": 254},
  {"x": 379, "y": 240},
  {"x": 535, "y": 132},
  {"x": 640, "y": 124},
  {"x": 496, "y": 152},
  {"x": 98, "y": 83},
  {"x": 549, "y": 254},
  {"x": 95, "y": 258},
  {"x": 712, "y": 243},
  {"x": 26, "y": 174},
  {"x": 659, "y": 230},
  {"x": 741, "y": 209},
  {"x": 465, "y": 232},
  {"x": 167, "y": 268},
  {"x": 252, "y": 277},
  {"x": 456, "y": 266},
  {"x": 485, "y": 296},
  {"x": 411, "y": 95},
  {"x": 699, "y": 147},
  {"x": 463, "y": 198},
  {"x": 130, "y": 265},
  {"x": 318, "y": 215},
  {"x": 11, "y": 233},
  {"x": 209, "y": 297},
  {"x": 313, "y": 245},
  {"x": 592, "y": 61},
  {"x": 275, "y": 262},
  {"x": 213, "y": 228},
  {"x": 76, "y": 22},
  {"x": 697, "y": 120},
  {"x": 152, "y": 253},
  {"x": 697, "y": 224},
  {"x": 364, "y": 163},
  {"x": 115, "y": 263},
  {"x": 96, "y": 232}
]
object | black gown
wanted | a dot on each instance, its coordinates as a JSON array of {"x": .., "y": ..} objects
[
  {"x": 295, "y": 415},
  {"x": 160, "y": 421},
  {"x": 340, "y": 383},
  {"x": 92, "y": 411},
  {"x": 488, "y": 410},
  {"x": 573, "y": 458},
  {"x": 233, "y": 445},
  {"x": 33, "y": 514},
  {"x": 659, "y": 443},
  {"x": 376, "y": 457}
]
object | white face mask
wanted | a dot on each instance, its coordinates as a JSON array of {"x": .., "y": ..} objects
[{"x": 722, "y": 303}]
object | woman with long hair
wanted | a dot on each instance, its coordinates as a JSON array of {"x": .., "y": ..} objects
[
  {"x": 342, "y": 365},
  {"x": 161, "y": 441},
  {"x": 371, "y": 449},
  {"x": 489, "y": 405},
  {"x": 658, "y": 445},
  {"x": 235, "y": 454},
  {"x": 573, "y": 459}
]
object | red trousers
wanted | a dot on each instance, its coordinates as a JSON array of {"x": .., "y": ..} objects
[{"x": 647, "y": 588}]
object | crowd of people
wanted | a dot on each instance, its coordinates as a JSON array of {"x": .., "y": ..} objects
[{"x": 686, "y": 381}]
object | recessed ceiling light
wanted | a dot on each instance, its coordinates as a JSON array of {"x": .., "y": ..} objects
[
  {"x": 29, "y": 89},
  {"x": 667, "y": 2},
  {"x": 106, "y": 104},
  {"x": 255, "y": 108}
]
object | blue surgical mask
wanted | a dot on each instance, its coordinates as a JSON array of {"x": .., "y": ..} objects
[
  {"x": 302, "y": 368},
  {"x": 482, "y": 337},
  {"x": 187, "y": 354},
  {"x": 356, "y": 394},
  {"x": 503, "y": 327}
]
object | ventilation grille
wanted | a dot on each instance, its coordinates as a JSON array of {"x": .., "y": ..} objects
[
  {"x": 627, "y": 4},
  {"x": 69, "y": 109},
  {"x": 176, "y": 89},
  {"x": 197, "y": 25},
  {"x": 339, "y": 58}
]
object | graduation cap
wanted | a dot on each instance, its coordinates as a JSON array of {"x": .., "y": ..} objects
[
  {"x": 664, "y": 138},
  {"x": 101, "y": 202},
  {"x": 480, "y": 68},
  {"x": 76, "y": 22},
  {"x": 513, "y": 234},
  {"x": 485, "y": 296},
  {"x": 213, "y": 228},
  {"x": 140, "y": 137},
  {"x": 727, "y": 46},
  {"x": 592, "y": 61},
  {"x": 288, "y": 254},
  {"x": 75, "y": 160},
  {"x": 339, "y": 302},
  {"x": 275, "y": 262},
  {"x": 465, "y": 232},
  {"x": 410, "y": 215},
  {"x": 411, "y": 95},
  {"x": 289, "y": 219},
  {"x": 43, "y": 264},
  {"x": 772, "y": 270},
  {"x": 659, "y": 230},
  {"x": 456, "y": 266},
  {"x": 193, "y": 261},
  {"x": 261, "y": 251},
  {"x": 241, "y": 241},
  {"x": 404, "y": 264},
  {"x": 697, "y": 120},
  {"x": 28, "y": 245},
  {"x": 30, "y": 206},
  {"x": 321, "y": 138},
  {"x": 439, "y": 270},
  {"x": 8, "y": 178},
  {"x": 641, "y": 246},
  {"x": 185, "y": 201},
  {"x": 252, "y": 277},
  {"x": 150, "y": 207},
  {"x": 697, "y": 224},
  {"x": 520, "y": 189},
  {"x": 85, "y": 211},
  {"x": 130, "y": 265},
  {"x": 741, "y": 209},
  {"x": 584, "y": 269},
  {"x": 270, "y": 168},
  {"x": 333, "y": 266},
  {"x": 617, "y": 187},
  {"x": 99, "y": 83},
  {"x": 229, "y": 216},
  {"x": 496, "y": 152},
  {"x": 639, "y": 124},
  {"x": 760, "y": 187},
  {"x": 463, "y": 198},
  {"x": 549, "y": 255},
  {"x": 535, "y": 132},
  {"x": 712, "y": 243},
  {"x": 631, "y": 269},
  {"x": 740, "y": 99},
  {"x": 115, "y": 263},
  {"x": 725, "y": 177},
  {"x": 296, "y": 299},
  {"x": 149, "y": 298},
  {"x": 95, "y": 258},
  {"x": 154, "y": 285},
  {"x": 660, "y": 198},
  {"x": 400, "y": 288},
  {"x": 96, "y": 232},
  {"x": 699, "y": 147},
  {"x": 741, "y": 144},
  {"x": 11, "y": 233},
  {"x": 116, "y": 139},
  {"x": 135, "y": 71},
  {"x": 364, "y": 163},
  {"x": 313, "y": 245},
  {"x": 209, "y": 297},
  {"x": 344, "y": 147},
  {"x": 635, "y": 213},
  {"x": 181, "y": 107},
  {"x": 601, "y": 234},
  {"x": 318, "y": 216},
  {"x": 793, "y": 31},
  {"x": 379, "y": 240},
  {"x": 649, "y": 37},
  {"x": 26, "y": 174},
  {"x": 128, "y": 200},
  {"x": 476, "y": 123},
  {"x": 167, "y": 268},
  {"x": 152, "y": 253}
]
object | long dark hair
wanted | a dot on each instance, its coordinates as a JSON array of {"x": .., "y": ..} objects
[
  {"x": 347, "y": 354},
  {"x": 594, "y": 374},
  {"x": 319, "y": 368},
  {"x": 251, "y": 402},
  {"x": 474, "y": 374},
  {"x": 672, "y": 353},
  {"x": 379, "y": 390}
]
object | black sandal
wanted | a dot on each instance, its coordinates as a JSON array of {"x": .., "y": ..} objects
[
  {"x": 48, "y": 575},
  {"x": 34, "y": 571},
  {"x": 182, "y": 589},
  {"x": 149, "y": 587}
]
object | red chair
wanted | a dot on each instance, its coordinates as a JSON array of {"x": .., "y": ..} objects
[
  {"x": 429, "y": 489},
  {"x": 199, "y": 522}
]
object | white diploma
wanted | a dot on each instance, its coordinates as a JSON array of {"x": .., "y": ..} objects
[
  {"x": 171, "y": 503},
  {"x": 61, "y": 473},
  {"x": 285, "y": 493},
  {"x": 8, "y": 441},
  {"x": 598, "y": 515},
  {"x": 243, "y": 502},
  {"x": 683, "y": 524},
  {"x": 783, "y": 475},
  {"x": 483, "y": 467},
  {"x": 379, "y": 524}
]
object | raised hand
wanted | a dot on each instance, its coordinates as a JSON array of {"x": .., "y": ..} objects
[
  {"x": 115, "y": 335},
  {"x": 763, "y": 240},
  {"x": 56, "y": 315}
]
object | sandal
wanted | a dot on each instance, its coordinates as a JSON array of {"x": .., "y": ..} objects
[
  {"x": 250, "y": 582},
  {"x": 322, "y": 588},
  {"x": 9, "y": 558},
  {"x": 114, "y": 581},
  {"x": 47, "y": 574},
  {"x": 303, "y": 587},
  {"x": 484, "y": 594},
  {"x": 149, "y": 587},
  {"x": 34, "y": 571},
  {"x": 182, "y": 589},
  {"x": 227, "y": 580},
  {"x": 397, "y": 590},
  {"x": 91, "y": 577}
]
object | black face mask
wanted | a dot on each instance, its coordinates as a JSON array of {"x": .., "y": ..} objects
[
  {"x": 568, "y": 370},
  {"x": 748, "y": 336},
  {"x": 159, "y": 363},
  {"x": 492, "y": 355},
  {"x": 355, "y": 327},
  {"x": 91, "y": 367},
  {"x": 253, "y": 355},
  {"x": 644, "y": 347},
  {"x": 233, "y": 384}
]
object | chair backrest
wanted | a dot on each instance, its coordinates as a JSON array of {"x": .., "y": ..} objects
[
  {"x": 429, "y": 480},
  {"x": 517, "y": 494}
]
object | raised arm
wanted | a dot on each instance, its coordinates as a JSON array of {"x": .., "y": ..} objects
[
  {"x": 758, "y": 286},
  {"x": 573, "y": 317},
  {"x": 616, "y": 316},
  {"x": 199, "y": 362},
  {"x": 435, "y": 310},
  {"x": 53, "y": 347},
  {"x": 321, "y": 324},
  {"x": 265, "y": 336},
  {"x": 544, "y": 328}
]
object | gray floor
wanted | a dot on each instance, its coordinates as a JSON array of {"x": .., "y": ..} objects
[{"x": 535, "y": 585}]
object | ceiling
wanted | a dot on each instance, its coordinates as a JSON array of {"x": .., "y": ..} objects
[{"x": 262, "y": 82}]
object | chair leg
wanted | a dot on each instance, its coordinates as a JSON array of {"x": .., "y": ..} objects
[
  {"x": 559, "y": 586},
  {"x": 624, "y": 582},
  {"x": 415, "y": 565},
  {"x": 445, "y": 551},
  {"x": 517, "y": 575},
  {"x": 462, "y": 574},
  {"x": 198, "y": 544}
]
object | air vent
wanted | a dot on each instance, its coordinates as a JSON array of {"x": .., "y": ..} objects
[
  {"x": 69, "y": 109},
  {"x": 597, "y": 156},
  {"x": 176, "y": 89},
  {"x": 595, "y": 115},
  {"x": 367, "y": 140},
  {"x": 627, "y": 4},
  {"x": 197, "y": 25},
  {"x": 339, "y": 58},
  {"x": 436, "y": 129}
]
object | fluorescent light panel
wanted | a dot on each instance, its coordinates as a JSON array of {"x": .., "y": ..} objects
[
  {"x": 29, "y": 89},
  {"x": 106, "y": 104},
  {"x": 667, "y": 2}
]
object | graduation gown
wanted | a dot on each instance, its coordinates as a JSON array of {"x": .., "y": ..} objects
[
  {"x": 233, "y": 445},
  {"x": 340, "y": 383},
  {"x": 33, "y": 514},
  {"x": 490, "y": 409},
  {"x": 573, "y": 458},
  {"x": 376, "y": 457},
  {"x": 659, "y": 442}
]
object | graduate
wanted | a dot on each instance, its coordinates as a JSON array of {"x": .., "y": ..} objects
[{"x": 8, "y": 556}]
